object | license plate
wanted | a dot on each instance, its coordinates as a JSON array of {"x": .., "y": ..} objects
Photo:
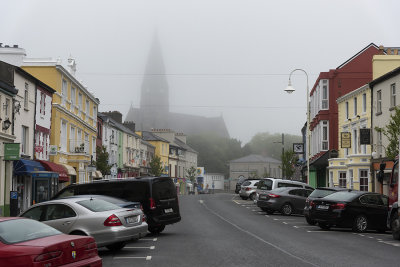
[
  {"x": 132, "y": 219},
  {"x": 262, "y": 197},
  {"x": 322, "y": 207},
  {"x": 168, "y": 210}
]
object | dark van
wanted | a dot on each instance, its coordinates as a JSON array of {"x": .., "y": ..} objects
[{"x": 156, "y": 194}]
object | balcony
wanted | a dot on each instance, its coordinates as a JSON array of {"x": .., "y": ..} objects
[{"x": 78, "y": 146}]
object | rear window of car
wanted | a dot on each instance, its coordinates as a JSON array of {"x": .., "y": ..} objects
[
  {"x": 342, "y": 196},
  {"x": 267, "y": 185},
  {"x": 21, "y": 230},
  {"x": 289, "y": 185},
  {"x": 97, "y": 205},
  {"x": 246, "y": 183},
  {"x": 164, "y": 189},
  {"x": 319, "y": 193}
]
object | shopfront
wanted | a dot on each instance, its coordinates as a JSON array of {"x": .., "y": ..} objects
[{"x": 33, "y": 183}]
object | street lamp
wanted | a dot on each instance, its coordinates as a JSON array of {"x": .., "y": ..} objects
[{"x": 289, "y": 89}]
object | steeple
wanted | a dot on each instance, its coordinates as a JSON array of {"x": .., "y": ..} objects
[{"x": 155, "y": 91}]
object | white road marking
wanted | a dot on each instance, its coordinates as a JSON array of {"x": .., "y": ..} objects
[
  {"x": 201, "y": 201},
  {"x": 393, "y": 243},
  {"x": 299, "y": 226},
  {"x": 259, "y": 238},
  {"x": 293, "y": 222},
  {"x": 147, "y": 258},
  {"x": 254, "y": 210},
  {"x": 151, "y": 247},
  {"x": 283, "y": 219},
  {"x": 322, "y": 231},
  {"x": 260, "y": 212},
  {"x": 284, "y": 222},
  {"x": 247, "y": 207},
  {"x": 267, "y": 216}
]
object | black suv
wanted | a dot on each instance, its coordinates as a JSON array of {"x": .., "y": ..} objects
[
  {"x": 319, "y": 192},
  {"x": 156, "y": 194}
]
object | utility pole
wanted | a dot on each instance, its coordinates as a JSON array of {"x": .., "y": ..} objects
[{"x": 283, "y": 152}]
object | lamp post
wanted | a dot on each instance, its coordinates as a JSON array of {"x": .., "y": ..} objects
[{"x": 289, "y": 89}]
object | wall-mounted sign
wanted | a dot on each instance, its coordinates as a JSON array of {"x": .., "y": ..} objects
[
  {"x": 298, "y": 148},
  {"x": 345, "y": 139},
  {"x": 365, "y": 136},
  {"x": 11, "y": 151},
  {"x": 53, "y": 150}
]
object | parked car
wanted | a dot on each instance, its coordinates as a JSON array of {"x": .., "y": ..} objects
[
  {"x": 110, "y": 225},
  {"x": 319, "y": 192},
  {"x": 286, "y": 200},
  {"x": 267, "y": 184},
  {"x": 248, "y": 189},
  {"x": 351, "y": 209},
  {"x": 239, "y": 183},
  {"x": 117, "y": 201},
  {"x": 26, "y": 242},
  {"x": 156, "y": 194}
]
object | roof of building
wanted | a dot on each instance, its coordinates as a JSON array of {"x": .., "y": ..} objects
[
  {"x": 384, "y": 77},
  {"x": 255, "y": 159},
  {"x": 117, "y": 125},
  {"x": 184, "y": 146},
  {"x": 149, "y": 136}
]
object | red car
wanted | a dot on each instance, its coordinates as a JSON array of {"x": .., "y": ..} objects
[{"x": 26, "y": 242}]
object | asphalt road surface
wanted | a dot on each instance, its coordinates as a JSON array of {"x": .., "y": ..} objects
[{"x": 223, "y": 230}]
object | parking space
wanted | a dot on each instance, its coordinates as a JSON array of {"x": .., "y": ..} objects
[
  {"x": 134, "y": 252},
  {"x": 298, "y": 222}
]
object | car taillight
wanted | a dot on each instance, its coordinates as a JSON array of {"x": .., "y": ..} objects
[
  {"x": 144, "y": 218},
  {"x": 338, "y": 206},
  {"x": 248, "y": 188},
  {"x": 90, "y": 246},
  {"x": 141, "y": 207},
  {"x": 273, "y": 196},
  {"x": 113, "y": 220},
  {"x": 152, "y": 204},
  {"x": 312, "y": 203},
  {"x": 48, "y": 256}
]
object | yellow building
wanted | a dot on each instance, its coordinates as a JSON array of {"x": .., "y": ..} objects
[
  {"x": 73, "y": 119},
  {"x": 161, "y": 148},
  {"x": 351, "y": 169}
]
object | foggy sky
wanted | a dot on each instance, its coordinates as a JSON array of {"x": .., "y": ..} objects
[{"x": 222, "y": 57}]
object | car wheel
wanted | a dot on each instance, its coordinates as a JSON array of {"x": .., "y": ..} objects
[
  {"x": 156, "y": 229},
  {"x": 286, "y": 209},
  {"x": 395, "y": 226},
  {"x": 252, "y": 196},
  {"x": 310, "y": 221},
  {"x": 116, "y": 246},
  {"x": 324, "y": 226},
  {"x": 244, "y": 198},
  {"x": 77, "y": 233},
  {"x": 360, "y": 224},
  {"x": 270, "y": 212}
]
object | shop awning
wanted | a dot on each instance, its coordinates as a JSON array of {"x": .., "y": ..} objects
[
  {"x": 26, "y": 167},
  {"x": 97, "y": 175},
  {"x": 54, "y": 167},
  {"x": 70, "y": 169}
]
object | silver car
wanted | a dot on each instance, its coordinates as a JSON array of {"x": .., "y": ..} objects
[
  {"x": 110, "y": 225},
  {"x": 248, "y": 189}
]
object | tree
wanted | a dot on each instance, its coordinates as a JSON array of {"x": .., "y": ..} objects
[
  {"x": 289, "y": 160},
  {"x": 191, "y": 173},
  {"x": 156, "y": 167},
  {"x": 102, "y": 160},
  {"x": 392, "y": 132}
]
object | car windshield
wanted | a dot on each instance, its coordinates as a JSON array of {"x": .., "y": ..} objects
[
  {"x": 97, "y": 205},
  {"x": 319, "y": 193},
  {"x": 20, "y": 230},
  {"x": 342, "y": 196}
]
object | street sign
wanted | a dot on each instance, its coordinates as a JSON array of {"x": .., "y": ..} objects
[
  {"x": 345, "y": 140},
  {"x": 91, "y": 168},
  {"x": 53, "y": 150},
  {"x": 365, "y": 136},
  {"x": 11, "y": 151},
  {"x": 298, "y": 148}
]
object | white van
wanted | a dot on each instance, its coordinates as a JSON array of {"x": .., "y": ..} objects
[{"x": 267, "y": 184}]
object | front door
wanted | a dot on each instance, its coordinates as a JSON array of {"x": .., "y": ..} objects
[{"x": 41, "y": 190}]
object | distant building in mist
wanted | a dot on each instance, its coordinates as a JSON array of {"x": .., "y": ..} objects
[{"x": 154, "y": 104}]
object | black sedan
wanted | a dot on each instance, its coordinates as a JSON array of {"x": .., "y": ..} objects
[{"x": 350, "y": 209}]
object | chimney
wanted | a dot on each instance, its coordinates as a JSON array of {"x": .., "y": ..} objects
[
  {"x": 130, "y": 125},
  {"x": 13, "y": 55},
  {"x": 71, "y": 65},
  {"x": 115, "y": 115},
  {"x": 181, "y": 136}
]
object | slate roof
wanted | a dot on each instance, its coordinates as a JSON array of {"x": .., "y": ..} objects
[
  {"x": 255, "y": 159},
  {"x": 149, "y": 136}
]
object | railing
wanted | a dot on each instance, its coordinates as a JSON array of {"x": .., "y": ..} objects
[{"x": 78, "y": 146}]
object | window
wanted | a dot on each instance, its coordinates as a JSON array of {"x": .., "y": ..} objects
[
  {"x": 80, "y": 101},
  {"x": 342, "y": 179},
  {"x": 64, "y": 92},
  {"x": 379, "y": 101},
  {"x": 325, "y": 94},
  {"x": 351, "y": 178},
  {"x": 379, "y": 143},
  {"x": 63, "y": 136},
  {"x": 7, "y": 107},
  {"x": 94, "y": 148},
  {"x": 73, "y": 95},
  {"x": 392, "y": 95},
  {"x": 94, "y": 115},
  {"x": 363, "y": 180},
  {"x": 26, "y": 96},
  {"x": 355, "y": 106},
  {"x": 87, "y": 108},
  {"x": 355, "y": 141},
  {"x": 325, "y": 135},
  {"x": 347, "y": 110},
  {"x": 24, "y": 140},
  {"x": 42, "y": 103},
  {"x": 364, "y": 103}
]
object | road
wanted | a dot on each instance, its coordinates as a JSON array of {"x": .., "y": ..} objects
[{"x": 223, "y": 230}]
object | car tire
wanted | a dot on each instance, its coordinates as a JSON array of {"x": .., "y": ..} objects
[
  {"x": 324, "y": 226},
  {"x": 78, "y": 233},
  {"x": 395, "y": 226},
  {"x": 116, "y": 246},
  {"x": 287, "y": 209},
  {"x": 252, "y": 196},
  {"x": 244, "y": 198},
  {"x": 156, "y": 229},
  {"x": 310, "y": 221},
  {"x": 360, "y": 224}
]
